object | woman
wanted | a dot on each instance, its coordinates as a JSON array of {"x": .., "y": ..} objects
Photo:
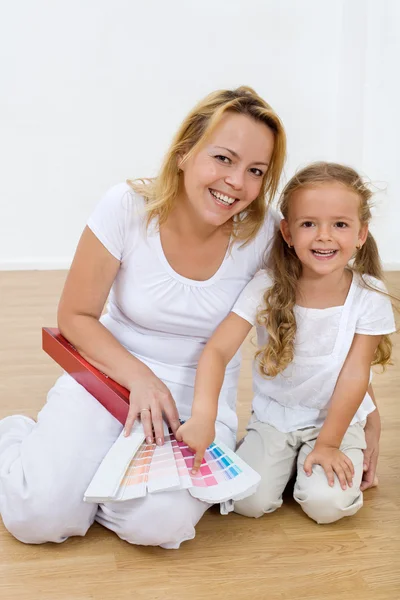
[{"x": 175, "y": 252}]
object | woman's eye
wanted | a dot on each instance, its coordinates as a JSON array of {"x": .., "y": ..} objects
[
  {"x": 341, "y": 225},
  {"x": 257, "y": 172},
  {"x": 223, "y": 159},
  {"x": 307, "y": 224}
]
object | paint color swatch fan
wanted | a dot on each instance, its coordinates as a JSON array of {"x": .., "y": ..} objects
[{"x": 132, "y": 468}]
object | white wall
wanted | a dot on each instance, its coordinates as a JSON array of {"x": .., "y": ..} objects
[{"x": 92, "y": 91}]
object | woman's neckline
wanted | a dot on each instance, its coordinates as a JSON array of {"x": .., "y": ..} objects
[{"x": 186, "y": 280}]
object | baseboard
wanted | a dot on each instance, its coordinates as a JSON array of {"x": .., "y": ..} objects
[
  {"x": 62, "y": 264},
  {"x": 391, "y": 266},
  {"x": 35, "y": 264}
]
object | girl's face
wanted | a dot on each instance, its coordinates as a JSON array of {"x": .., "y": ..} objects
[
  {"x": 324, "y": 227},
  {"x": 226, "y": 174}
]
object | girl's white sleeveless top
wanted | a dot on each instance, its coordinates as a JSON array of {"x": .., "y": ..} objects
[{"x": 299, "y": 396}]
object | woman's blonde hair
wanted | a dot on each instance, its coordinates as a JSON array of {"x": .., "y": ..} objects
[
  {"x": 277, "y": 314},
  {"x": 161, "y": 192}
]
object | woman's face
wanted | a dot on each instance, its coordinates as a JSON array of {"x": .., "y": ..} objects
[{"x": 226, "y": 174}]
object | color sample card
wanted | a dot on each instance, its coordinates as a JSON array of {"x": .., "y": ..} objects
[
  {"x": 163, "y": 474},
  {"x": 106, "y": 482},
  {"x": 134, "y": 482},
  {"x": 133, "y": 468},
  {"x": 183, "y": 471},
  {"x": 216, "y": 467}
]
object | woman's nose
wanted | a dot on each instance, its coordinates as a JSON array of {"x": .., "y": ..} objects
[{"x": 235, "y": 179}]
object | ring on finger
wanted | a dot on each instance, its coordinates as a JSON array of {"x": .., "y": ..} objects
[{"x": 143, "y": 409}]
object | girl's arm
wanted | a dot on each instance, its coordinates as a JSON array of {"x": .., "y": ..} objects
[
  {"x": 199, "y": 431},
  {"x": 350, "y": 390},
  {"x": 371, "y": 453}
]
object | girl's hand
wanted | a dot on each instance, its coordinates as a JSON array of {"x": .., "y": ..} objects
[
  {"x": 372, "y": 435},
  {"x": 332, "y": 460},
  {"x": 198, "y": 433},
  {"x": 149, "y": 399}
]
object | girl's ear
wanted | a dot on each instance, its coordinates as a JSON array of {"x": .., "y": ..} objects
[
  {"x": 284, "y": 227},
  {"x": 362, "y": 234}
]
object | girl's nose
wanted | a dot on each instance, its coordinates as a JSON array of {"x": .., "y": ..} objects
[{"x": 324, "y": 233}]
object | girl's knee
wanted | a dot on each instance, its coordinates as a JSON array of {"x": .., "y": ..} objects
[
  {"x": 257, "y": 505},
  {"x": 325, "y": 504}
]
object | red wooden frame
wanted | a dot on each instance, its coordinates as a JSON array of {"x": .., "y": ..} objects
[{"x": 108, "y": 392}]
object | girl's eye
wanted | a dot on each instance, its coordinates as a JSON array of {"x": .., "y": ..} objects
[
  {"x": 223, "y": 159},
  {"x": 307, "y": 224},
  {"x": 257, "y": 172},
  {"x": 341, "y": 225}
]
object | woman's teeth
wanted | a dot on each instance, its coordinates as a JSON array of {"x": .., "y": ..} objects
[{"x": 222, "y": 198}]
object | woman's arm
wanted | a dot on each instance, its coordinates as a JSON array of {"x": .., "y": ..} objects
[
  {"x": 86, "y": 289},
  {"x": 350, "y": 390},
  {"x": 199, "y": 431}
]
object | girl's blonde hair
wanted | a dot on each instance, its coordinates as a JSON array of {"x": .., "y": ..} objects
[
  {"x": 161, "y": 192},
  {"x": 277, "y": 314}
]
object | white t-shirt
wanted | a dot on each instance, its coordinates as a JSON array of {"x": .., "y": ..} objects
[
  {"x": 299, "y": 396},
  {"x": 162, "y": 318}
]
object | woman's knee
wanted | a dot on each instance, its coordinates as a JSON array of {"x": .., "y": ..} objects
[
  {"x": 37, "y": 521},
  {"x": 165, "y": 519}
]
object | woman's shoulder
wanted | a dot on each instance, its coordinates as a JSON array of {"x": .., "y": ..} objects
[
  {"x": 122, "y": 195},
  {"x": 262, "y": 243},
  {"x": 118, "y": 218},
  {"x": 270, "y": 224}
]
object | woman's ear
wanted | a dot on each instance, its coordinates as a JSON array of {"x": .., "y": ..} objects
[
  {"x": 181, "y": 158},
  {"x": 284, "y": 227}
]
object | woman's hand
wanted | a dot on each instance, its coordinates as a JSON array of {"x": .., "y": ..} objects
[
  {"x": 149, "y": 399},
  {"x": 198, "y": 433},
  {"x": 332, "y": 460},
  {"x": 372, "y": 435}
]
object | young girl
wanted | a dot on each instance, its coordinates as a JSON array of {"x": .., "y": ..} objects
[{"x": 323, "y": 317}]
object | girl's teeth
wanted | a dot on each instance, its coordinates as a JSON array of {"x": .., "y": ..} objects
[{"x": 222, "y": 197}]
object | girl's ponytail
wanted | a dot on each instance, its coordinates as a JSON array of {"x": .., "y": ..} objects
[{"x": 367, "y": 260}]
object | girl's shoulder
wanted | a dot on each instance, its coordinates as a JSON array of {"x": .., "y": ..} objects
[
  {"x": 368, "y": 284},
  {"x": 262, "y": 279},
  {"x": 373, "y": 306},
  {"x": 251, "y": 298}
]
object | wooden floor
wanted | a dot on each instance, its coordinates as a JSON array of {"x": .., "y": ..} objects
[{"x": 281, "y": 556}]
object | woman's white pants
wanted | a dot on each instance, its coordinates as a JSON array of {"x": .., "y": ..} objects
[{"x": 46, "y": 466}]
